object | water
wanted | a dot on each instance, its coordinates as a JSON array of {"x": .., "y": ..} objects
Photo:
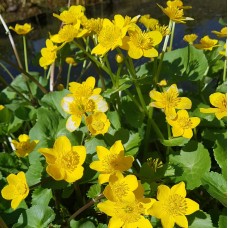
[{"x": 206, "y": 14}]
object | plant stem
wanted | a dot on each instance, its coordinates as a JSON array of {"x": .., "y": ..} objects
[
  {"x": 172, "y": 36},
  {"x": 7, "y": 71},
  {"x": 11, "y": 41},
  {"x": 68, "y": 75},
  {"x": 25, "y": 54},
  {"x": 224, "y": 71},
  {"x": 90, "y": 203}
]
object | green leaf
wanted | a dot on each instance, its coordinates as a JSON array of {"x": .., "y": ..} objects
[
  {"x": 83, "y": 223},
  {"x": 200, "y": 219},
  {"x": 33, "y": 175},
  {"x": 222, "y": 221},
  {"x": 92, "y": 143},
  {"x": 180, "y": 141},
  {"x": 37, "y": 216},
  {"x": 94, "y": 191},
  {"x": 185, "y": 63},
  {"x": 215, "y": 184},
  {"x": 53, "y": 99},
  {"x": 7, "y": 162},
  {"x": 41, "y": 197},
  {"x": 114, "y": 119},
  {"x": 220, "y": 153},
  {"x": 193, "y": 161},
  {"x": 133, "y": 143}
]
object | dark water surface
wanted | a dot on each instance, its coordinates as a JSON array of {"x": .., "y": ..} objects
[{"x": 206, "y": 14}]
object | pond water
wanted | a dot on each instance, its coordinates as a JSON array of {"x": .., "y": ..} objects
[{"x": 205, "y": 12}]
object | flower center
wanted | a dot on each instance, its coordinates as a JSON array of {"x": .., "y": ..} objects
[
  {"x": 185, "y": 123},
  {"x": 142, "y": 40},
  {"x": 21, "y": 188},
  {"x": 111, "y": 163},
  {"x": 98, "y": 125},
  {"x": 171, "y": 99},
  {"x": 120, "y": 190},
  {"x": 109, "y": 36},
  {"x": 176, "y": 205},
  {"x": 70, "y": 161}
]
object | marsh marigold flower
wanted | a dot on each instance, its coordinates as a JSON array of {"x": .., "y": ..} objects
[
  {"x": 16, "y": 190},
  {"x": 173, "y": 206},
  {"x": 174, "y": 11},
  {"x": 148, "y": 22},
  {"x": 109, "y": 38},
  {"x": 219, "y": 101},
  {"x": 111, "y": 161},
  {"x": 71, "y": 16},
  {"x": 24, "y": 146},
  {"x": 82, "y": 99},
  {"x": 49, "y": 54},
  {"x": 64, "y": 161},
  {"x": 140, "y": 43},
  {"x": 190, "y": 38},
  {"x": 97, "y": 123},
  {"x": 70, "y": 61},
  {"x": 182, "y": 125},
  {"x": 206, "y": 43},
  {"x": 222, "y": 33},
  {"x": 22, "y": 29},
  {"x": 120, "y": 188},
  {"x": 170, "y": 101},
  {"x": 93, "y": 25}
]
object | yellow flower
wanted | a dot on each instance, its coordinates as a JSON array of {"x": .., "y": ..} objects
[
  {"x": 119, "y": 58},
  {"x": 1, "y": 107},
  {"x": 162, "y": 83},
  {"x": 111, "y": 161},
  {"x": 25, "y": 146},
  {"x": 70, "y": 61},
  {"x": 109, "y": 38},
  {"x": 190, "y": 38},
  {"x": 182, "y": 125},
  {"x": 125, "y": 22},
  {"x": 84, "y": 99},
  {"x": 120, "y": 188},
  {"x": 49, "y": 54},
  {"x": 93, "y": 25},
  {"x": 140, "y": 43},
  {"x": 71, "y": 16},
  {"x": 223, "y": 51},
  {"x": 218, "y": 100},
  {"x": 206, "y": 43},
  {"x": 127, "y": 213},
  {"x": 97, "y": 123},
  {"x": 22, "y": 29},
  {"x": 178, "y": 4},
  {"x": 170, "y": 101},
  {"x": 16, "y": 190},
  {"x": 148, "y": 22},
  {"x": 222, "y": 33},
  {"x": 68, "y": 33},
  {"x": 163, "y": 29},
  {"x": 64, "y": 161},
  {"x": 175, "y": 12},
  {"x": 173, "y": 206}
]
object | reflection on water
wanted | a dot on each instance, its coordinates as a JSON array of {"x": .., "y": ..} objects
[{"x": 206, "y": 14}]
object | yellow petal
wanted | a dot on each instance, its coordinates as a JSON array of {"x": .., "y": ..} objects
[
  {"x": 156, "y": 36},
  {"x": 216, "y": 98},
  {"x": 134, "y": 52},
  {"x": 81, "y": 151},
  {"x": 102, "y": 152},
  {"x": 170, "y": 112},
  {"x": 73, "y": 122},
  {"x": 195, "y": 121},
  {"x": 55, "y": 171},
  {"x": 100, "y": 50},
  {"x": 49, "y": 155},
  {"x": 66, "y": 103},
  {"x": 12, "y": 179},
  {"x": 75, "y": 175},
  {"x": 188, "y": 133},
  {"x": 142, "y": 223},
  {"x": 177, "y": 131},
  {"x": 23, "y": 138},
  {"x": 150, "y": 53},
  {"x": 15, "y": 202},
  {"x": 184, "y": 103},
  {"x": 155, "y": 95},
  {"x": 96, "y": 165},
  {"x": 192, "y": 206},
  {"x": 167, "y": 221},
  {"x": 90, "y": 82},
  {"x": 209, "y": 110},
  {"x": 131, "y": 181},
  {"x": 62, "y": 145},
  {"x": 117, "y": 147},
  {"x": 179, "y": 189},
  {"x": 181, "y": 221},
  {"x": 163, "y": 192},
  {"x": 103, "y": 178},
  {"x": 115, "y": 222},
  {"x": 220, "y": 115},
  {"x": 182, "y": 114},
  {"x": 156, "y": 210},
  {"x": 9, "y": 192}
]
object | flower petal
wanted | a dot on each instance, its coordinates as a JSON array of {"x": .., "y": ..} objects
[
  {"x": 188, "y": 133},
  {"x": 195, "y": 121},
  {"x": 155, "y": 95},
  {"x": 184, "y": 103},
  {"x": 9, "y": 192},
  {"x": 115, "y": 222},
  {"x": 177, "y": 131},
  {"x": 134, "y": 52},
  {"x": 55, "y": 172},
  {"x": 163, "y": 192},
  {"x": 15, "y": 202},
  {"x": 73, "y": 123},
  {"x": 181, "y": 221},
  {"x": 62, "y": 145},
  {"x": 117, "y": 147},
  {"x": 103, "y": 178},
  {"x": 192, "y": 206},
  {"x": 75, "y": 175},
  {"x": 179, "y": 189},
  {"x": 167, "y": 221},
  {"x": 66, "y": 102}
]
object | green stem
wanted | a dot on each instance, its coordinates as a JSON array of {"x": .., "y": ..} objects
[
  {"x": 68, "y": 75},
  {"x": 148, "y": 128},
  {"x": 138, "y": 90},
  {"x": 7, "y": 71},
  {"x": 167, "y": 37},
  {"x": 89, "y": 204},
  {"x": 172, "y": 36},
  {"x": 25, "y": 73},
  {"x": 134, "y": 100},
  {"x": 157, "y": 130},
  {"x": 25, "y": 54},
  {"x": 224, "y": 71}
]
